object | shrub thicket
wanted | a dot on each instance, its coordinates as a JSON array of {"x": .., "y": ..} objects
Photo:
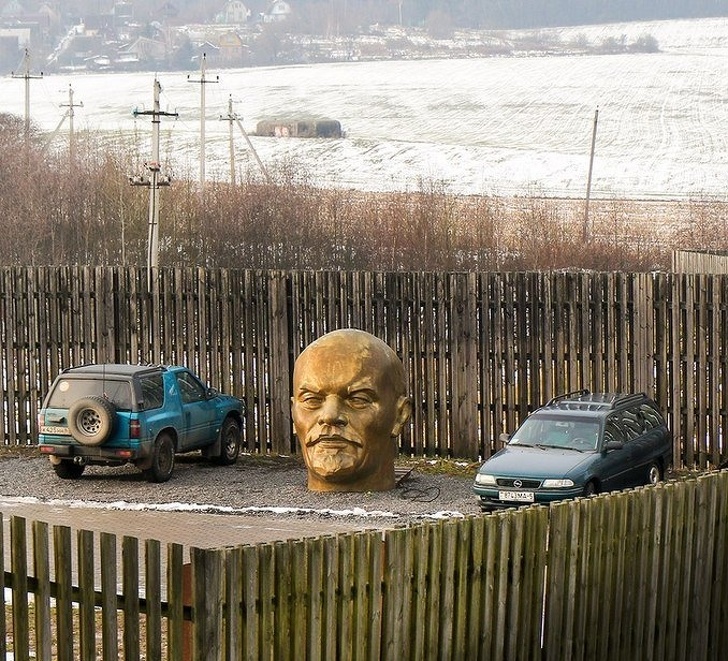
[{"x": 77, "y": 207}]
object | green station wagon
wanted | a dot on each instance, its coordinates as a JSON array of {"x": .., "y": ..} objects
[{"x": 578, "y": 444}]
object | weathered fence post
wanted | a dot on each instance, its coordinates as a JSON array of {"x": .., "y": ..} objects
[{"x": 207, "y": 604}]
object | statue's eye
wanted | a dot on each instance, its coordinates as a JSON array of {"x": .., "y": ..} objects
[
  {"x": 311, "y": 401},
  {"x": 359, "y": 400}
]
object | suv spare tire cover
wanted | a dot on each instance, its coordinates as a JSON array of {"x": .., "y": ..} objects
[{"x": 91, "y": 420}]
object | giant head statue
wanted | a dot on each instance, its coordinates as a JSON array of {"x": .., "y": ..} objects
[{"x": 349, "y": 404}]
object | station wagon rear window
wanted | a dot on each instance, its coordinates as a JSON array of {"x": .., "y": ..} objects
[{"x": 68, "y": 391}]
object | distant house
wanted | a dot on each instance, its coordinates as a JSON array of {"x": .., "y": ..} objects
[
  {"x": 49, "y": 16},
  {"x": 98, "y": 24},
  {"x": 232, "y": 49},
  {"x": 20, "y": 36},
  {"x": 208, "y": 50},
  {"x": 168, "y": 11},
  {"x": 12, "y": 8},
  {"x": 147, "y": 50},
  {"x": 123, "y": 13},
  {"x": 277, "y": 11},
  {"x": 234, "y": 13}
]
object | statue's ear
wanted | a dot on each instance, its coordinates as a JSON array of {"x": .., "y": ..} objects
[{"x": 404, "y": 411}]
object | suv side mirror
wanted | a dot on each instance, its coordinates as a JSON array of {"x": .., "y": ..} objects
[
  {"x": 504, "y": 438},
  {"x": 211, "y": 393},
  {"x": 613, "y": 445}
]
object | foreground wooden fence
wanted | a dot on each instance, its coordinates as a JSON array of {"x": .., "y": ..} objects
[
  {"x": 632, "y": 575},
  {"x": 481, "y": 349}
]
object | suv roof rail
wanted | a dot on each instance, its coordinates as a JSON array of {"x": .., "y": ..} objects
[{"x": 568, "y": 395}]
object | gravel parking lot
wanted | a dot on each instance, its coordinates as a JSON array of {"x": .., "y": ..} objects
[{"x": 270, "y": 486}]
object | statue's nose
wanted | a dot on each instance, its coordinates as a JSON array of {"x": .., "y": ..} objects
[{"x": 331, "y": 412}]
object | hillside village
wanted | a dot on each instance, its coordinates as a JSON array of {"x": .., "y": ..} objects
[
  {"x": 121, "y": 39},
  {"x": 51, "y": 36}
]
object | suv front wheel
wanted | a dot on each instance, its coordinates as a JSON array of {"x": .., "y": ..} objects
[
  {"x": 229, "y": 443},
  {"x": 162, "y": 460}
]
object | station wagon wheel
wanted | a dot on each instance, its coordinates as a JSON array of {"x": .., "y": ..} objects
[
  {"x": 162, "y": 459},
  {"x": 67, "y": 470},
  {"x": 229, "y": 443},
  {"x": 91, "y": 420},
  {"x": 654, "y": 473}
]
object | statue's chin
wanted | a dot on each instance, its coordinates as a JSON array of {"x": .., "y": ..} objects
[{"x": 333, "y": 465}]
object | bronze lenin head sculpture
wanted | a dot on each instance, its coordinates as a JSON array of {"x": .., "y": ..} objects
[{"x": 349, "y": 404}]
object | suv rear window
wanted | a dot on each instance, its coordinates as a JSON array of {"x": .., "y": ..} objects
[
  {"x": 152, "y": 391},
  {"x": 68, "y": 391}
]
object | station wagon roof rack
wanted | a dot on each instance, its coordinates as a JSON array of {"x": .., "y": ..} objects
[
  {"x": 568, "y": 395},
  {"x": 606, "y": 401}
]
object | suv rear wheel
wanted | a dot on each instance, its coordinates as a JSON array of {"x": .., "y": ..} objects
[
  {"x": 91, "y": 420},
  {"x": 68, "y": 470},
  {"x": 162, "y": 464}
]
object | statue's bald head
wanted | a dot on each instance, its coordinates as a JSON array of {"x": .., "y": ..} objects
[{"x": 349, "y": 403}]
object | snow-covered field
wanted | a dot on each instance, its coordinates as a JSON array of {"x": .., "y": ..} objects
[{"x": 508, "y": 126}]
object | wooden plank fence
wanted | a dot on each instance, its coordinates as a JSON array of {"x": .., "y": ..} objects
[
  {"x": 481, "y": 350},
  {"x": 641, "y": 574}
]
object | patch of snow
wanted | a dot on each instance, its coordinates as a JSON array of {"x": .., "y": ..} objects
[{"x": 358, "y": 512}]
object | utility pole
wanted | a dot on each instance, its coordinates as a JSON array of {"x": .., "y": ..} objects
[
  {"x": 202, "y": 82},
  {"x": 154, "y": 181},
  {"x": 231, "y": 142},
  {"x": 233, "y": 118},
  {"x": 69, "y": 114},
  {"x": 27, "y": 77},
  {"x": 587, "y": 223}
]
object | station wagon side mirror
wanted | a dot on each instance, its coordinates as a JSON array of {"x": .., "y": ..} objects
[{"x": 613, "y": 445}]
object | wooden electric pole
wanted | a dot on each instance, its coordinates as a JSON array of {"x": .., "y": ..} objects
[
  {"x": 202, "y": 82},
  {"x": 27, "y": 77},
  {"x": 69, "y": 114},
  {"x": 154, "y": 181},
  {"x": 232, "y": 118},
  {"x": 587, "y": 222}
]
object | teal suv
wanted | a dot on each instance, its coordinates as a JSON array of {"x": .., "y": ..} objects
[
  {"x": 111, "y": 414},
  {"x": 578, "y": 444}
]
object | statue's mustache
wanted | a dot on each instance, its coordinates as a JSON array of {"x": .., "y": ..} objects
[{"x": 332, "y": 438}]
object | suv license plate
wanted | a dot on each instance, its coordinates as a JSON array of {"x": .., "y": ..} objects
[
  {"x": 55, "y": 431},
  {"x": 516, "y": 496}
]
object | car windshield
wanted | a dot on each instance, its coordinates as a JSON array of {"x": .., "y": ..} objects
[
  {"x": 567, "y": 433},
  {"x": 68, "y": 391}
]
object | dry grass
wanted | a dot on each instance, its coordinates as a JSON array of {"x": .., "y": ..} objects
[
  {"x": 99, "y": 647},
  {"x": 85, "y": 213}
]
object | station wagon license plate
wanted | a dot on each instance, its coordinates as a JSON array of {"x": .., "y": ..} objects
[
  {"x": 516, "y": 496},
  {"x": 56, "y": 431}
]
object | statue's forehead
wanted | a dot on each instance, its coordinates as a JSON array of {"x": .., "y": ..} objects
[{"x": 341, "y": 362}]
